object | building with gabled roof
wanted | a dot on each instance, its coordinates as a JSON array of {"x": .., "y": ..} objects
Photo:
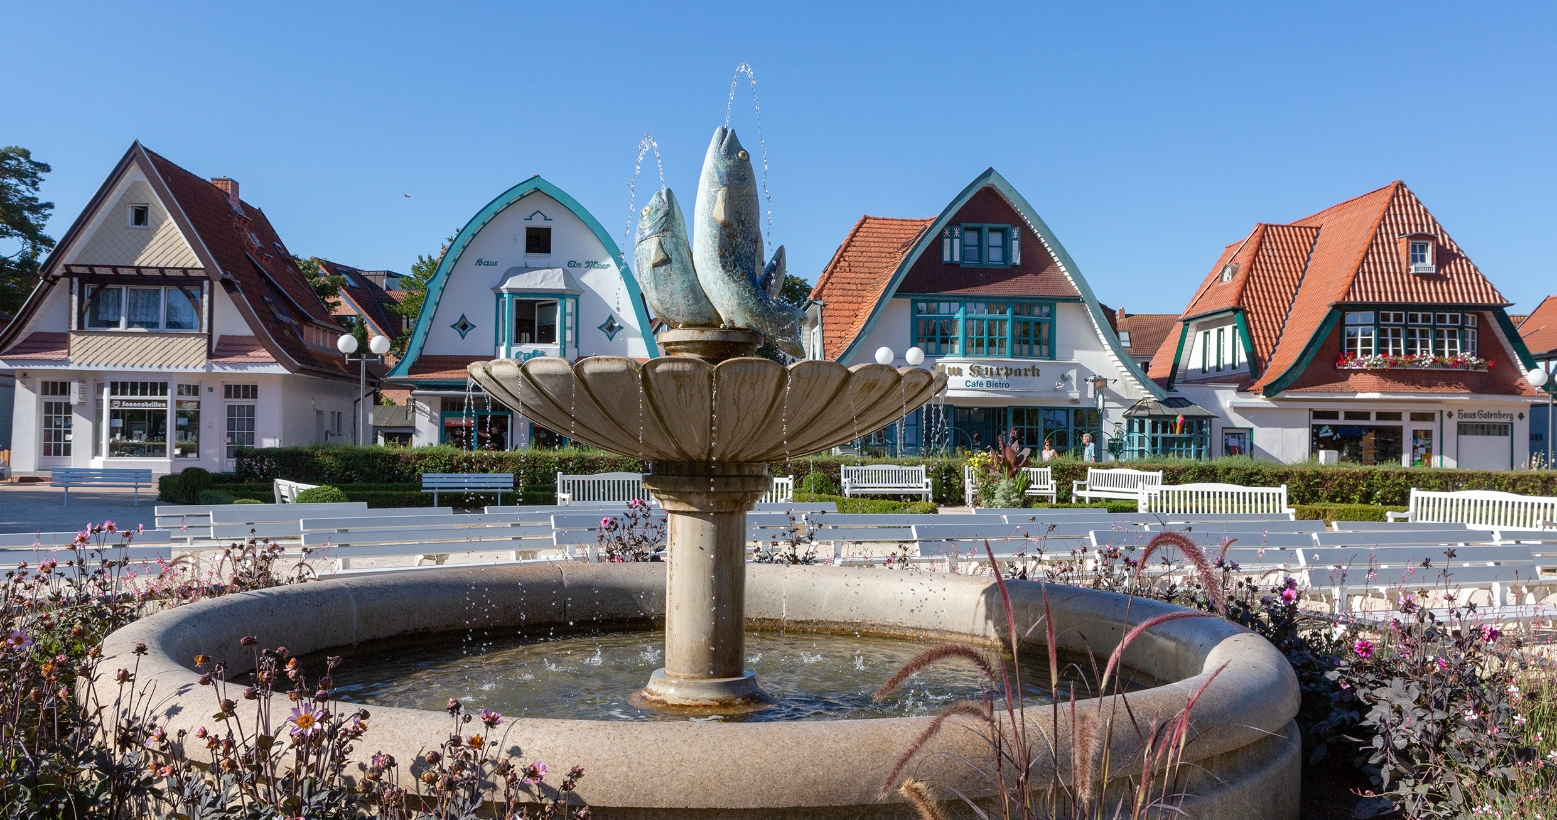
[
  {"x": 170, "y": 327},
  {"x": 1362, "y": 331},
  {"x": 1539, "y": 332},
  {"x": 990, "y": 296},
  {"x": 533, "y": 273}
]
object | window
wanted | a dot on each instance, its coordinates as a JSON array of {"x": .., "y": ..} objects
[
  {"x": 335, "y": 423},
  {"x": 985, "y": 328},
  {"x": 1325, "y": 415},
  {"x": 1357, "y": 415},
  {"x": 936, "y": 328},
  {"x": 535, "y": 321},
  {"x": 140, "y": 216},
  {"x": 1420, "y": 416},
  {"x": 1471, "y": 342},
  {"x": 121, "y": 307},
  {"x": 56, "y": 418},
  {"x": 1359, "y": 334},
  {"x": 186, "y": 422},
  {"x": 240, "y": 391},
  {"x": 996, "y": 246},
  {"x": 137, "y": 419},
  {"x": 1124, "y": 338},
  {"x": 1219, "y": 346},
  {"x": 1384, "y": 415},
  {"x": 970, "y": 245},
  {"x": 1422, "y": 256},
  {"x": 240, "y": 428},
  {"x": 1205, "y": 351},
  {"x": 1236, "y": 441},
  {"x": 1228, "y": 272},
  {"x": 537, "y": 241}
]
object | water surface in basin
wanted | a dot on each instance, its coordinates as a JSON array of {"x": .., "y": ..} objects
[{"x": 588, "y": 674}]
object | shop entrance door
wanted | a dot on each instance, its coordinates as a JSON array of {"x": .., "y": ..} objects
[{"x": 1485, "y": 445}]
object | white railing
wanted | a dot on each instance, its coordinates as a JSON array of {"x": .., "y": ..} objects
[
  {"x": 885, "y": 479},
  {"x": 1215, "y": 498},
  {"x": 1481, "y": 508}
]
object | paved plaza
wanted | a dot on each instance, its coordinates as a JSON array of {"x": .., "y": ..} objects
[{"x": 41, "y": 508}]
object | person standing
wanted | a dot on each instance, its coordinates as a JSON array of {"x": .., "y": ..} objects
[
  {"x": 1048, "y": 450},
  {"x": 1089, "y": 453}
]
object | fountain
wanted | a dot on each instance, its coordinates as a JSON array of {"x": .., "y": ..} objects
[{"x": 708, "y": 418}]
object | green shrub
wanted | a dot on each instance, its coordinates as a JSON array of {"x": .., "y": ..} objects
[
  {"x": 168, "y": 489},
  {"x": 322, "y": 495},
  {"x": 868, "y": 505},
  {"x": 1344, "y": 512},
  {"x": 193, "y": 481},
  {"x": 248, "y": 501},
  {"x": 1002, "y": 494},
  {"x": 818, "y": 484},
  {"x": 216, "y": 497}
]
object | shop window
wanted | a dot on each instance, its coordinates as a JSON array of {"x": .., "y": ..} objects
[
  {"x": 544, "y": 439},
  {"x": 140, "y": 216},
  {"x": 537, "y": 241},
  {"x": 478, "y": 423},
  {"x": 1421, "y": 446},
  {"x": 1357, "y": 415},
  {"x": 137, "y": 419},
  {"x": 1325, "y": 415},
  {"x": 186, "y": 421},
  {"x": 1237, "y": 441},
  {"x": 1424, "y": 416},
  {"x": 1359, "y": 443},
  {"x": 395, "y": 439},
  {"x": 119, "y": 307},
  {"x": 1384, "y": 415},
  {"x": 535, "y": 321}
]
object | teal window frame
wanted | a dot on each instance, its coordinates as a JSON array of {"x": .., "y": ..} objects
[
  {"x": 1378, "y": 327},
  {"x": 567, "y": 321},
  {"x": 983, "y": 231},
  {"x": 985, "y": 331}
]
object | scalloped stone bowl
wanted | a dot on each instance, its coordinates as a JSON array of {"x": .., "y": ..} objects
[{"x": 682, "y": 409}]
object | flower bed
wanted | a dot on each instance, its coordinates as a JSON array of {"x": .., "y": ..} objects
[{"x": 1351, "y": 361}]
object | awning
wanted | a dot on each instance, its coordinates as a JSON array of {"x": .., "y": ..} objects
[
  {"x": 537, "y": 280},
  {"x": 1171, "y": 406}
]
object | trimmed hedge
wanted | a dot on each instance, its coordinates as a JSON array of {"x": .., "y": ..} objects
[
  {"x": 1343, "y": 512},
  {"x": 868, "y": 505},
  {"x": 324, "y": 494},
  {"x": 1306, "y": 483}
]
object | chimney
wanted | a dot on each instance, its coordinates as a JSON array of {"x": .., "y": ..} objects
[
  {"x": 1119, "y": 314},
  {"x": 230, "y": 188}
]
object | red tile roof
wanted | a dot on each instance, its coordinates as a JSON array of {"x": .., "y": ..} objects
[
  {"x": 1287, "y": 278},
  {"x": 1147, "y": 330},
  {"x": 40, "y": 346},
  {"x": 1539, "y": 329},
  {"x": 861, "y": 269},
  {"x": 241, "y": 350},
  {"x": 247, "y": 248},
  {"x": 446, "y": 368},
  {"x": 364, "y": 298}
]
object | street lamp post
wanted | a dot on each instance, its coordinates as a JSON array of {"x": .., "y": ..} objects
[
  {"x": 1099, "y": 385},
  {"x": 347, "y": 345},
  {"x": 1539, "y": 378}
]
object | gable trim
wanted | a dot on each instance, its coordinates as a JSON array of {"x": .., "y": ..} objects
[
  {"x": 463, "y": 239},
  {"x": 1310, "y": 350},
  {"x": 931, "y": 236}
]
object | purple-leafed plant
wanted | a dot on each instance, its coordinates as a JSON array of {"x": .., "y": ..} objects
[{"x": 632, "y": 536}]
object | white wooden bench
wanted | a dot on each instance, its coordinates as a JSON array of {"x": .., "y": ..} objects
[
  {"x": 782, "y": 491},
  {"x": 68, "y": 477},
  {"x": 1480, "y": 508},
  {"x": 885, "y": 479},
  {"x": 1195, "y": 499},
  {"x": 1117, "y": 482},
  {"x": 1040, "y": 483},
  {"x": 286, "y": 491},
  {"x": 428, "y": 537},
  {"x": 612, "y": 487},
  {"x": 468, "y": 483}
]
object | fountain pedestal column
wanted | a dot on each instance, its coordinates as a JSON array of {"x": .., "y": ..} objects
[{"x": 705, "y": 594}]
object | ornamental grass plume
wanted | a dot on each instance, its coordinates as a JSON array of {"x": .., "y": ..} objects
[{"x": 1204, "y": 571}]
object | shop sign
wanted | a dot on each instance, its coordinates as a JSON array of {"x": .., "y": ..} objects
[
  {"x": 1484, "y": 415},
  {"x": 1004, "y": 376},
  {"x": 589, "y": 264},
  {"x": 138, "y": 404}
]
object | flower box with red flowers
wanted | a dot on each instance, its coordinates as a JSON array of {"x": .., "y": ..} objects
[{"x": 1351, "y": 361}]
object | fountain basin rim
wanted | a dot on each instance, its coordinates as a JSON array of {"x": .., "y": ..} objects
[{"x": 1251, "y": 703}]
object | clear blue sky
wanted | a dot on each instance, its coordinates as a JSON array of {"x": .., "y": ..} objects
[{"x": 1146, "y": 136}]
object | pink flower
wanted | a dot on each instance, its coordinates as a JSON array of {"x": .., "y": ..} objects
[
  {"x": 305, "y": 720},
  {"x": 1364, "y": 649},
  {"x": 605, "y": 522},
  {"x": 635, "y": 503},
  {"x": 1490, "y": 633},
  {"x": 535, "y": 772},
  {"x": 18, "y": 640},
  {"x": 490, "y": 718},
  {"x": 1289, "y": 595},
  {"x": 1442, "y": 664},
  {"x": 109, "y": 526}
]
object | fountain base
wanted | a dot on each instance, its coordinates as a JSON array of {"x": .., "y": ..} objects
[{"x": 702, "y": 696}]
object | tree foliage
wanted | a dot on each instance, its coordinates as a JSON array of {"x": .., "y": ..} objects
[
  {"x": 415, "y": 287},
  {"x": 324, "y": 283},
  {"x": 22, "y": 218}
]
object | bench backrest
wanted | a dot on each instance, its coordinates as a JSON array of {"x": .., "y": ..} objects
[
  {"x": 85, "y": 475},
  {"x": 1244, "y": 528},
  {"x": 1370, "y": 526},
  {"x": 1039, "y": 477},
  {"x": 1483, "y": 508},
  {"x": 1414, "y": 555},
  {"x": 782, "y": 491},
  {"x": 1214, "y": 498},
  {"x": 274, "y": 513},
  {"x": 1209, "y": 540},
  {"x": 468, "y": 481},
  {"x": 63, "y": 540},
  {"x": 286, "y": 490},
  {"x": 1120, "y": 478},
  {"x": 883, "y": 475},
  {"x": 622, "y": 487},
  {"x": 1385, "y": 537}
]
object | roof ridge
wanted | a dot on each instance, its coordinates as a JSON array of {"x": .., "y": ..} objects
[{"x": 1346, "y": 202}]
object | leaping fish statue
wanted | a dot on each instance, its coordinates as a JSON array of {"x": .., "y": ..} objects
[
  {"x": 727, "y": 249},
  {"x": 663, "y": 260}
]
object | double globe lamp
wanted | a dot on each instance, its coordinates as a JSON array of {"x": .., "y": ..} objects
[{"x": 347, "y": 345}]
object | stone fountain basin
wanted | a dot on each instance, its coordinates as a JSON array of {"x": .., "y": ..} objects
[{"x": 1245, "y": 753}]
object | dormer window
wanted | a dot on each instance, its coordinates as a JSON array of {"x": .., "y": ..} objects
[
  {"x": 1124, "y": 338},
  {"x": 1421, "y": 254},
  {"x": 982, "y": 245},
  {"x": 140, "y": 216},
  {"x": 537, "y": 241},
  {"x": 1228, "y": 272}
]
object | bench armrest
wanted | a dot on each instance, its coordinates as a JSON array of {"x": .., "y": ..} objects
[{"x": 1395, "y": 516}]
